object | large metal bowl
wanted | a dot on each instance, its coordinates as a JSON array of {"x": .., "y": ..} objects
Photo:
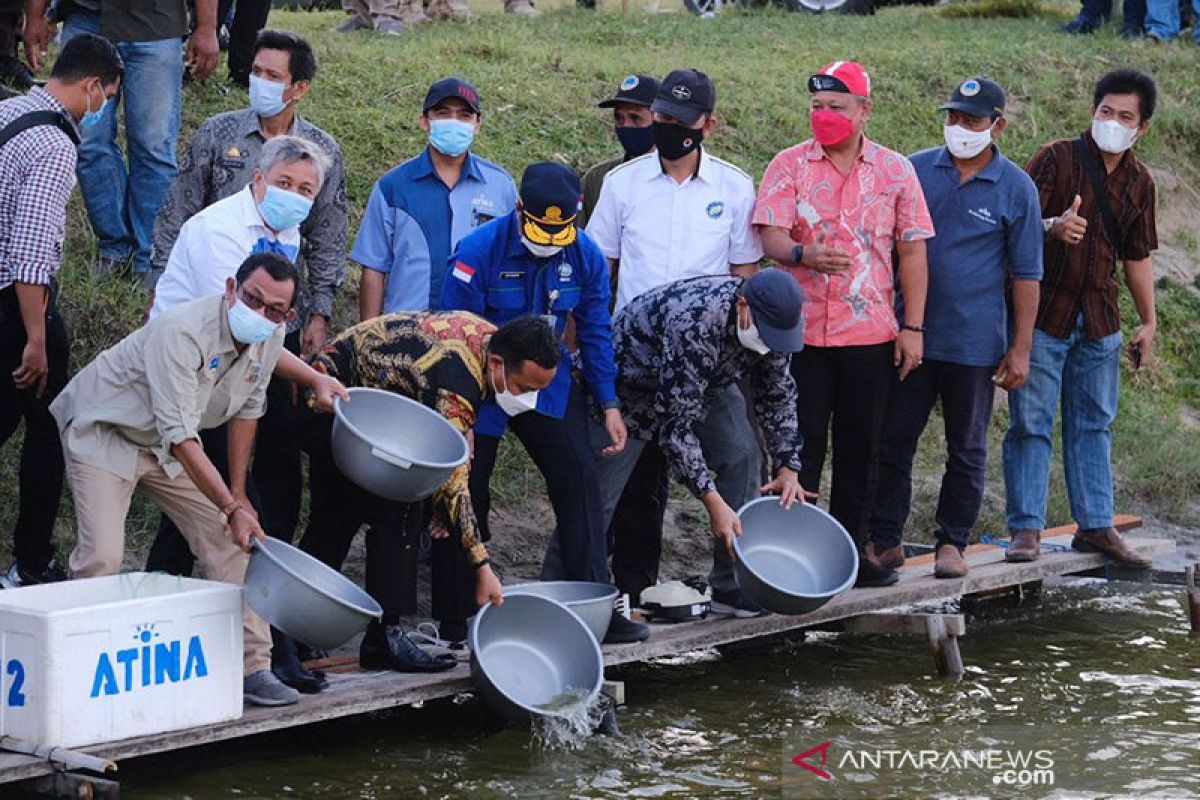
[
  {"x": 393, "y": 446},
  {"x": 304, "y": 598},
  {"x": 534, "y": 657},
  {"x": 793, "y": 562},
  {"x": 593, "y": 602}
]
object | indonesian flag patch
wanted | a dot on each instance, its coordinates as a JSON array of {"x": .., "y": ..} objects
[{"x": 463, "y": 272}]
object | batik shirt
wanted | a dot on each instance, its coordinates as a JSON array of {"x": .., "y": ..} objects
[{"x": 677, "y": 345}]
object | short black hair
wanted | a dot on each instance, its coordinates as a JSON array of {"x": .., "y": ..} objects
[
  {"x": 278, "y": 267},
  {"x": 1129, "y": 81},
  {"x": 302, "y": 62},
  {"x": 86, "y": 55},
  {"x": 525, "y": 339}
]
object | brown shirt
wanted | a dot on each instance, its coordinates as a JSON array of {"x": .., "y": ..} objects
[{"x": 1083, "y": 277}]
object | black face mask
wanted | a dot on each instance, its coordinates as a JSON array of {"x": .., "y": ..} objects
[
  {"x": 635, "y": 141},
  {"x": 675, "y": 141}
]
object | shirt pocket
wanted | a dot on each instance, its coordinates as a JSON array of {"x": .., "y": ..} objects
[
  {"x": 566, "y": 299},
  {"x": 506, "y": 298}
]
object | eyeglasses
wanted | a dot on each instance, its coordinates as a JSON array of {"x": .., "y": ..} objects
[{"x": 255, "y": 303}]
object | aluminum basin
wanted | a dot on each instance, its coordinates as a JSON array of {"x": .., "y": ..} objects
[
  {"x": 793, "y": 562},
  {"x": 529, "y": 654},
  {"x": 593, "y": 602},
  {"x": 394, "y": 447},
  {"x": 304, "y": 598}
]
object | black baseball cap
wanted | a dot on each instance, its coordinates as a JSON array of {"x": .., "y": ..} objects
[
  {"x": 550, "y": 195},
  {"x": 451, "y": 87},
  {"x": 777, "y": 303},
  {"x": 686, "y": 94},
  {"x": 978, "y": 97},
  {"x": 637, "y": 90}
]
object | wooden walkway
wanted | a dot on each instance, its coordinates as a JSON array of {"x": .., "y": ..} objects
[{"x": 354, "y": 692}]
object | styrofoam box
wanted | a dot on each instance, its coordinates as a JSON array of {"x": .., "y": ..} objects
[{"x": 102, "y": 659}]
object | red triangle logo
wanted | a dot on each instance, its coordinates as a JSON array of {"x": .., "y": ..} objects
[{"x": 800, "y": 761}]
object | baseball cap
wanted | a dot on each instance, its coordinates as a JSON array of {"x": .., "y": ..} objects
[
  {"x": 451, "y": 87},
  {"x": 776, "y": 301},
  {"x": 550, "y": 196},
  {"x": 638, "y": 90},
  {"x": 842, "y": 76},
  {"x": 686, "y": 94},
  {"x": 978, "y": 97}
]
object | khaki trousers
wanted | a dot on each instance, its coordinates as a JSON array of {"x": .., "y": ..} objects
[
  {"x": 371, "y": 12},
  {"x": 101, "y": 505}
]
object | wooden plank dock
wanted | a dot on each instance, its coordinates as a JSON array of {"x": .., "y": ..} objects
[{"x": 353, "y": 692}]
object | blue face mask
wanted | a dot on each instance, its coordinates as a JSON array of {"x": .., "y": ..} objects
[
  {"x": 635, "y": 141},
  {"x": 91, "y": 118},
  {"x": 451, "y": 137},
  {"x": 282, "y": 209},
  {"x": 248, "y": 326},
  {"x": 266, "y": 97}
]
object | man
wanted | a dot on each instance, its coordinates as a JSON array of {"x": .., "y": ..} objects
[
  {"x": 830, "y": 210},
  {"x": 986, "y": 212},
  {"x": 676, "y": 213},
  {"x": 1093, "y": 13},
  {"x": 132, "y": 418},
  {"x": 389, "y": 17},
  {"x": 1104, "y": 198},
  {"x": 632, "y": 120},
  {"x": 1164, "y": 19},
  {"x": 535, "y": 261},
  {"x": 37, "y": 173},
  {"x": 450, "y": 362},
  {"x": 418, "y": 212},
  {"x": 122, "y": 200},
  {"x": 249, "y": 18}
]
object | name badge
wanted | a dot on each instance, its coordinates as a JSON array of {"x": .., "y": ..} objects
[{"x": 504, "y": 276}]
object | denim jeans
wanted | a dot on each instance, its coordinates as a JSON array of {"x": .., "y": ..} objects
[
  {"x": 1097, "y": 11},
  {"x": 1163, "y": 19},
  {"x": 1085, "y": 374},
  {"x": 122, "y": 201}
]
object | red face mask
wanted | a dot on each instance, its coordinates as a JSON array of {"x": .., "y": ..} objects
[{"x": 831, "y": 128}]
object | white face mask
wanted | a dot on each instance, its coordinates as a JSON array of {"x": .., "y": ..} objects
[
  {"x": 514, "y": 404},
  {"x": 540, "y": 250},
  {"x": 1113, "y": 137},
  {"x": 965, "y": 143},
  {"x": 750, "y": 339}
]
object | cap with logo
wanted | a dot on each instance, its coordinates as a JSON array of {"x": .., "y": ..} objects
[
  {"x": 686, "y": 94},
  {"x": 550, "y": 195},
  {"x": 977, "y": 97},
  {"x": 637, "y": 90},
  {"x": 776, "y": 301},
  {"x": 451, "y": 87},
  {"x": 842, "y": 76}
]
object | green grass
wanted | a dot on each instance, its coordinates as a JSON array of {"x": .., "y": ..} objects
[{"x": 540, "y": 79}]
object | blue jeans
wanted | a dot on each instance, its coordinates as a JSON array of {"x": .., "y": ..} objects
[
  {"x": 123, "y": 202},
  {"x": 1085, "y": 373},
  {"x": 1097, "y": 11},
  {"x": 1163, "y": 21}
]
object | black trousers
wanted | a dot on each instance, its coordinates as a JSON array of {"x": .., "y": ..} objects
[
  {"x": 249, "y": 17},
  {"x": 40, "y": 479},
  {"x": 845, "y": 388},
  {"x": 966, "y": 394},
  {"x": 11, "y": 13},
  {"x": 637, "y": 525}
]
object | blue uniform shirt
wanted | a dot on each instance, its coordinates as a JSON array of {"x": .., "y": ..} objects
[
  {"x": 492, "y": 274},
  {"x": 413, "y": 221},
  {"x": 988, "y": 229}
]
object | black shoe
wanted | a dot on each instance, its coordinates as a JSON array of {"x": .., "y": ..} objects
[
  {"x": 285, "y": 663},
  {"x": 625, "y": 631},
  {"x": 16, "y": 74},
  {"x": 452, "y": 630},
  {"x": 388, "y": 647},
  {"x": 872, "y": 575},
  {"x": 18, "y": 576},
  {"x": 1080, "y": 24}
]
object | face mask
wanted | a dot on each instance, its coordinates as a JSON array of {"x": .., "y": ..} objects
[
  {"x": 831, "y": 128},
  {"x": 451, "y": 137},
  {"x": 964, "y": 143},
  {"x": 635, "y": 141},
  {"x": 91, "y": 118},
  {"x": 266, "y": 97},
  {"x": 514, "y": 404},
  {"x": 282, "y": 209},
  {"x": 1113, "y": 137},
  {"x": 675, "y": 141},
  {"x": 751, "y": 340},
  {"x": 248, "y": 326},
  {"x": 540, "y": 250}
]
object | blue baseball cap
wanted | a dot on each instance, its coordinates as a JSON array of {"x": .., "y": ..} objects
[
  {"x": 977, "y": 97},
  {"x": 777, "y": 304}
]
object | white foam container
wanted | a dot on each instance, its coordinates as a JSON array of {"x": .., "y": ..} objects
[{"x": 102, "y": 659}]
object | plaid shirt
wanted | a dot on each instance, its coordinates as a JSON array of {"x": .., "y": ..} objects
[
  {"x": 1083, "y": 277},
  {"x": 37, "y": 175}
]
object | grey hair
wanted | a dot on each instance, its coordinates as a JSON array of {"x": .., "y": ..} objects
[{"x": 289, "y": 150}]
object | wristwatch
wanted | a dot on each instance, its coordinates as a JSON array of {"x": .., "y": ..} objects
[{"x": 797, "y": 254}]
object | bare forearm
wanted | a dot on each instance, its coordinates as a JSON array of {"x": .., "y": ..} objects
[
  {"x": 190, "y": 454},
  {"x": 1139, "y": 277},
  {"x": 1025, "y": 305},
  {"x": 370, "y": 297},
  {"x": 35, "y": 8},
  {"x": 31, "y": 298},
  {"x": 777, "y": 244},
  {"x": 914, "y": 281},
  {"x": 241, "y": 445},
  {"x": 206, "y": 15}
]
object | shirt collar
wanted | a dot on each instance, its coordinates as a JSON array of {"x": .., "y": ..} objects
[
  {"x": 249, "y": 209},
  {"x": 1098, "y": 154},
  {"x": 990, "y": 173},
  {"x": 515, "y": 247},
  {"x": 704, "y": 168},
  {"x": 865, "y": 153},
  {"x": 249, "y": 124},
  {"x": 224, "y": 335},
  {"x": 424, "y": 167},
  {"x": 43, "y": 98}
]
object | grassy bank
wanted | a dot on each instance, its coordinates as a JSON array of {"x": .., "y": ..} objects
[{"x": 540, "y": 79}]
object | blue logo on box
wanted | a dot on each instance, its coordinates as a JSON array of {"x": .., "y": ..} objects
[{"x": 148, "y": 663}]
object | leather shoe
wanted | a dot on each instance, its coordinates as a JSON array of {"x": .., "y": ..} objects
[
  {"x": 625, "y": 631},
  {"x": 886, "y": 557},
  {"x": 285, "y": 663},
  {"x": 388, "y": 647},
  {"x": 871, "y": 575},
  {"x": 1110, "y": 543},
  {"x": 1024, "y": 546},
  {"x": 949, "y": 562}
]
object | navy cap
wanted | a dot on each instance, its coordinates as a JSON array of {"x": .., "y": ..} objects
[
  {"x": 686, "y": 94},
  {"x": 637, "y": 90},
  {"x": 776, "y": 301},
  {"x": 978, "y": 97},
  {"x": 550, "y": 196},
  {"x": 451, "y": 87}
]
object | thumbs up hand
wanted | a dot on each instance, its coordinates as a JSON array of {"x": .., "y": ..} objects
[{"x": 1070, "y": 227}]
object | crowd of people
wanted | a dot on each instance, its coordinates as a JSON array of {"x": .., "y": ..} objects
[{"x": 659, "y": 317}]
